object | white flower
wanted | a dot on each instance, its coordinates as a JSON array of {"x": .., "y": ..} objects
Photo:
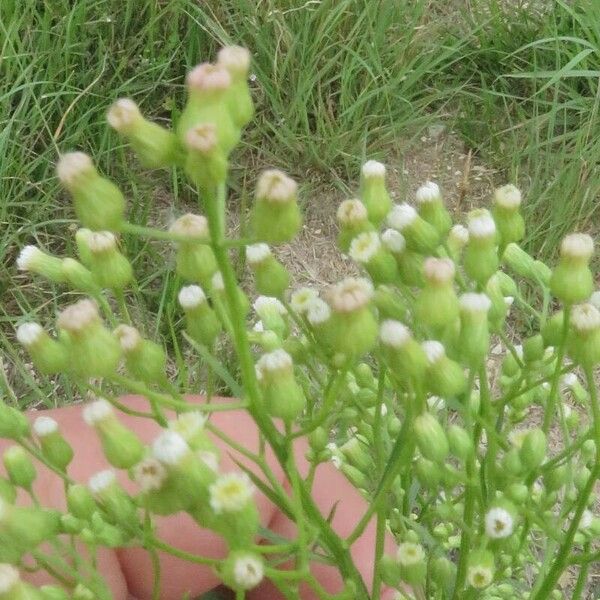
[
  {"x": 350, "y": 294},
  {"x": 123, "y": 114},
  {"x": 192, "y": 226},
  {"x": 29, "y": 333},
  {"x": 372, "y": 168},
  {"x": 436, "y": 403},
  {"x": 393, "y": 333},
  {"x": 101, "y": 241},
  {"x": 585, "y": 317},
  {"x": 401, "y": 216},
  {"x": 276, "y": 360},
  {"x": 248, "y": 571},
  {"x": 351, "y": 212},
  {"x": 479, "y": 576},
  {"x": 508, "y": 196},
  {"x": 97, "y": 411},
  {"x": 101, "y": 481},
  {"x": 28, "y": 257},
  {"x": 336, "y": 458},
  {"x": 191, "y": 296},
  {"x": 481, "y": 225},
  {"x": 318, "y": 311},
  {"x": 202, "y": 138},
  {"x": 498, "y": 523},
  {"x": 577, "y": 245},
  {"x": 459, "y": 235},
  {"x": 235, "y": 59},
  {"x": 188, "y": 424},
  {"x": 78, "y": 316},
  {"x": 169, "y": 447},
  {"x": 300, "y": 299},
  {"x": 394, "y": 241},
  {"x": 276, "y": 186},
  {"x": 428, "y": 192},
  {"x": 129, "y": 337},
  {"x": 265, "y": 305},
  {"x": 364, "y": 247},
  {"x": 208, "y": 77},
  {"x": 9, "y": 577},
  {"x": 473, "y": 303},
  {"x": 434, "y": 351},
  {"x": 439, "y": 270},
  {"x": 44, "y": 426},
  {"x": 149, "y": 474},
  {"x": 256, "y": 253},
  {"x": 230, "y": 492},
  {"x": 409, "y": 553},
  {"x": 71, "y": 165}
]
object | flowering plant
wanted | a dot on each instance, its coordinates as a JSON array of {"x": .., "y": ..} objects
[{"x": 405, "y": 378}]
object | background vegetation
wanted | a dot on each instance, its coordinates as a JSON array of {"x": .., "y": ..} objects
[{"x": 334, "y": 80}]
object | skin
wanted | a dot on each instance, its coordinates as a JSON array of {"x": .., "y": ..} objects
[{"x": 128, "y": 570}]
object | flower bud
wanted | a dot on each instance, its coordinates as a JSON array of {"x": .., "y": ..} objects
[
  {"x": 13, "y": 423},
  {"x": 533, "y": 449},
  {"x": 420, "y": 236},
  {"x": 121, "y": 446},
  {"x": 155, "y": 146},
  {"x": 242, "y": 570},
  {"x": 474, "y": 335},
  {"x": 48, "y": 355},
  {"x": 19, "y": 467},
  {"x": 318, "y": 439},
  {"x": 53, "y": 592},
  {"x": 109, "y": 267},
  {"x": 572, "y": 281},
  {"x": 272, "y": 314},
  {"x": 145, "y": 360},
  {"x": 507, "y": 284},
  {"x": 356, "y": 452},
  {"x": 436, "y": 306},
  {"x": 8, "y": 493},
  {"x": 236, "y": 61},
  {"x": 432, "y": 209},
  {"x": 431, "y": 438},
  {"x": 389, "y": 303},
  {"x": 195, "y": 260},
  {"x": 410, "y": 263},
  {"x": 480, "y": 569},
  {"x": 403, "y": 354},
  {"x": 99, "y": 204},
  {"x": 271, "y": 278},
  {"x": 80, "y": 502},
  {"x": 556, "y": 478},
  {"x": 354, "y": 328},
  {"x": 190, "y": 426},
  {"x": 202, "y": 324},
  {"x": 511, "y": 462},
  {"x": 480, "y": 257},
  {"x": 412, "y": 562},
  {"x": 353, "y": 219},
  {"x": 552, "y": 330},
  {"x": 206, "y": 162},
  {"x": 355, "y": 476},
  {"x": 373, "y": 191},
  {"x": 55, "y": 448},
  {"x": 584, "y": 337},
  {"x": 428, "y": 473},
  {"x": 390, "y": 571},
  {"x": 275, "y": 215},
  {"x": 78, "y": 277},
  {"x": 367, "y": 250},
  {"x": 461, "y": 444},
  {"x": 221, "y": 302},
  {"x": 444, "y": 377},
  {"x": 443, "y": 572},
  {"x": 508, "y": 219},
  {"x": 209, "y": 87},
  {"x": 283, "y": 396},
  {"x": 458, "y": 238},
  {"x": 119, "y": 507},
  {"x": 81, "y": 592},
  {"x": 499, "y": 307},
  {"x": 33, "y": 260},
  {"x": 92, "y": 349}
]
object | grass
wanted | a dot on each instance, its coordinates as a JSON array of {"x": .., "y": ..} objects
[{"x": 334, "y": 81}]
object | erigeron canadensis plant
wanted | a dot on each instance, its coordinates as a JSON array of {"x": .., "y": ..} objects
[{"x": 389, "y": 375}]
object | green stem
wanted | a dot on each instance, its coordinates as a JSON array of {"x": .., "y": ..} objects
[
  {"x": 194, "y": 558},
  {"x": 582, "y": 578}
]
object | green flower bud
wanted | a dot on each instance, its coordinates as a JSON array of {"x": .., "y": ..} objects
[
  {"x": 508, "y": 219},
  {"x": 272, "y": 314},
  {"x": 412, "y": 563},
  {"x": 19, "y": 467},
  {"x": 13, "y": 423},
  {"x": 533, "y": 449},
  {"x": 283, "y": 396},
  {"x": 356, "y": 452},
  {"x": 55, "y": 448},
  {"x": 518, "y": 493},
  {"x": 552, "y": 330},
  {"x": 431, "y": 438},
  {"x": 460, "y": 442},
  {"x": 208, "y": 89},
  {"x": 436, "y": 306},
  {"x": 511, "y": 462},
  {"x": 474, "y": 337},
  {"x": 364, "y": 375},
  {"x": 221, "y": 302},
  {"x": 533, "y": 348},
  {"x": 80, "y": 502},
  {"x": 588, "y": 451},
  {"x": 403, "y": 354},
  {"x": 518, "y": 261},
  {"x": 443, "y": 572},
  {"x": 92, "y": 349},
  {"x": 390, "y": 571},
  {"x": 190, "y": 426},
  {"x": 236, "y": 61},
  {"x": 428, "y": 473},
  {"x": 119, "y": 507},
  {"x": 355, "y": 476},
  {"x": 83, "y": 250},
  {"x": 53, "y": 592},
  {"x": 8, "y": 493},
  {"x": 99, "y": 204},
  {"x": 78, "y": 277},
  {"x": 389, "y": 303},
  {"x": 353, "y": 325},
  {"x": 318, "y": 439},
  {"x": 432, "y": 209},
  {"x": 458, "y": 238},
  {"x": 47, "y": 354},
  {"x": 556, "y": 478},
  {"x": 410, "y": 264},
  {"x": 121, "y": 446},
  {"x": 202, "y": 324},
  {"x": 542, "y": 272},
  {"x": 71, "y": 525},
  {"x": 507, "y": 284},
  {"x": 367, "y": 250},
  {"x": 584, "y": 337},
  {"x": 353, "y": 219},
  {"x": 510, "y": 366},
  {"x": 373, "y": 192},
  {"x": 480, "y": 569},
  {"x": 572, "y": 281},
  {"x": 420, "y": 236},
  {"x": 242, "y": 570},
  {"x": 195, "y": 260},
  {"x": 271, "y": 278},
  {"x": 275, "y": 216},
  {"x": 109, "y": 267},
  {"x": 581, "y": 478},
  {"x": 155, "y": 146},
  {"x": 81, "y": 592},
  {"x": 34, "y": 260},
  {"x": 205, "y": 163},
  {"x": 499, "y": 306},
  {"x": 481, "y": 257},
  {"x": 445, "y": 377},
  {"x": 145, "y": 360}
]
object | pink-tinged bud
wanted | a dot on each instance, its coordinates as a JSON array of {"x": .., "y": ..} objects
[
  {"x": 236, "y": 61},
  {"x": 481, "y": 255},
  {"x": 109, "y": 267},
  {"x": 206, "y": 163},
  {"x": 572, "y": 281}
]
